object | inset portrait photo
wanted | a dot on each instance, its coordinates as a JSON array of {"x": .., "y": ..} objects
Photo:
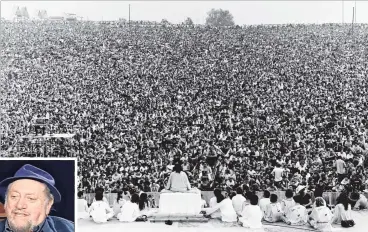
[{"x": 37, "y": 194}]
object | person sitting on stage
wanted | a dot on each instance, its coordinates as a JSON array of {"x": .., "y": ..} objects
[
  {"x": 178, "y": 181},
  {"x": 100, "y": 210},
  {"x": 228, "y": 213},
  {"x": 321, "y": 216},
  {"x": 273, "y": 211},
  {"x": 297, "y": 214},
  {"x": 130, "y": 211},
  {"x": 118, "y": 204},
  {"x": 82, "y": 207},
  {"x": 360, "y": 201},
  {"x": 251, "y": 215}
]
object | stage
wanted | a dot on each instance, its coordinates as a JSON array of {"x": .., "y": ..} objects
[{"x": 114, "y": 225}]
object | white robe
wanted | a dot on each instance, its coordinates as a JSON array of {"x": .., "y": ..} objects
[
  {"x": 178, "y": 182},
  {"x": 83, "y": 209},
  {"x": 117, "y": 206},
  {"x": 100, "y": 212},
  {"x": 238, "y": 203},
  {"x": 228, "y": 213},
  {"x": 129, "y": 213},
  {"x": 251, "y": 217},
  {"x": 213, "y": 203}
]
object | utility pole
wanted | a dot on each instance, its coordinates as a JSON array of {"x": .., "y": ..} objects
[
  {"x": 355, "y": 8},
  {"x": 342, "y": 8},
  {"x": 129, "y": 15}
]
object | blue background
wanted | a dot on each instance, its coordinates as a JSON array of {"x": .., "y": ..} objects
[{"x": 63, "y": 173}]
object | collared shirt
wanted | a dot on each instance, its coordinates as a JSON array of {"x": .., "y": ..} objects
[{"x": 51, "y": 224}]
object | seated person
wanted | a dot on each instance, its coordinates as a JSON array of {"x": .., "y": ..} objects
[
  {"x": 289, "y": 202},
  {"x": 82, "y": 207},
  {"x": 273, "y": 211},
  {"x": 265, "y": 201},
  {"x": 118, "y": 204},
  {"x": 225, "y": 205},
  {"x": 178, "y": 181},
  {"x": 130, "y": 211},
  {"x": 100, "y": 210},
  {"x": 360, "y": 201},
  {"x": 342, "y": 212},
  {"x": 321, "y": 216},
  {"x": 214, "y": 201},
  {"x": 239, "y": 201},
  {"x": 251, "y": 216},
  {"x": 297, "y": 214}
]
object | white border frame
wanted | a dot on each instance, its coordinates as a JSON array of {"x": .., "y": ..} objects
[{"x": 61, "y": 159}]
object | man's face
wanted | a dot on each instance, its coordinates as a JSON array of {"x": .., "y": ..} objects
[{"x": 26, "y": 204}]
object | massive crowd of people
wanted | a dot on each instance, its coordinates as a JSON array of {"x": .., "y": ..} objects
[{"x": 267, "y": 107}]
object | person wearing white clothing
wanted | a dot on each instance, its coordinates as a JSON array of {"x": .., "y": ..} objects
[
  {"x": 251, "y": 215},
  {"x": 321, "y": 216},
  {"x": 213, "y": 203},
  {"x": 82, "y": 207},
  {"x": 100, "y": 210},
  {"x": 264, "y": 201},
  {"x": 130, "y": 211},
  {"x": 178, "y": 181},
  {"x": 118, "y": 204},
  {"x": 289, "y": 202},
  {"x": 238, "y": 201},
  {"x": 273, "y": 211},
  {"x": 228, "y": 213}
]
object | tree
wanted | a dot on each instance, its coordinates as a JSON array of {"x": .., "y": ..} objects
[
  {"x": 189, "y": 22},
  {"x": 219, "y": 18},
  {"x": 165, "y": 22},
  {"x": 24, "y": 12}
]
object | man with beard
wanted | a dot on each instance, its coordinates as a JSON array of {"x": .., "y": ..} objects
[{"x": 29, "y": 196}]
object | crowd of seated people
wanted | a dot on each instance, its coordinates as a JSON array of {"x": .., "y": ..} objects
[{"x": 271, "y": 107}]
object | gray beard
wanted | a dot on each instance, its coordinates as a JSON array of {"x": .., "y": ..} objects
[{"x": 29, "y": 227}]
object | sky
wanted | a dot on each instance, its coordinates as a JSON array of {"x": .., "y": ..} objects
[{"x": 244, "y": 12}]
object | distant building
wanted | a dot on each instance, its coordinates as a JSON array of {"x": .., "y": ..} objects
[
  {"x": 70, "y": 17},
  {"x": 56, "y": 18}
]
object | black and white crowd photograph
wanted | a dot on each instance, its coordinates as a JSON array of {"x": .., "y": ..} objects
[{"x": 193, "y": 115}]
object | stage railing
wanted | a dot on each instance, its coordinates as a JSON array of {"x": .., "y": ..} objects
[{"x": 330, "y": 197}]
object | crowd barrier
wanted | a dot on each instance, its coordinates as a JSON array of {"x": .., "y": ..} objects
[{"x": 330, "y": 197}]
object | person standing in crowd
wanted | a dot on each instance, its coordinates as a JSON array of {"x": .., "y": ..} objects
[
  {"x": 340, "y": 168},
  {"x": 277, "y": 172}
]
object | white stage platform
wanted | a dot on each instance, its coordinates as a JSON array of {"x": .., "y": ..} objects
[{"x": 180, "y": 203}]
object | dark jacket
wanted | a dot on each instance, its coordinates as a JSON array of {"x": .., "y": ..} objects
[{"x": 51, "y": 224}]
